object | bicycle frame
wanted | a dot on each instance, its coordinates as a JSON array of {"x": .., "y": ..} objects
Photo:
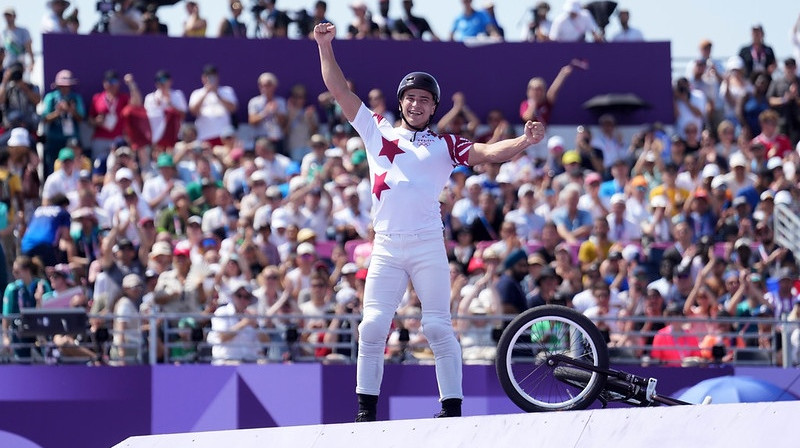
[{"x": 634, "y": 389}]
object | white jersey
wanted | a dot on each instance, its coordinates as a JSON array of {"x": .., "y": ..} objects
[{"x": 407, "y": 176}]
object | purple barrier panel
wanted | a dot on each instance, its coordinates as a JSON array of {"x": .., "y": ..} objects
[
  {"x": 73, "y": 406},
  {"x": 491, "y": 76}
]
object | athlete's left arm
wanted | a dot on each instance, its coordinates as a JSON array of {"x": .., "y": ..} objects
[{"x": 506, "y": 149}]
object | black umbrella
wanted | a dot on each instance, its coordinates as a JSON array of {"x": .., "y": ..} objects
[
  {"x": 601, "y": 12},
  {"x": 143, "y": 4},
  {"x": 615, "y": 102}
]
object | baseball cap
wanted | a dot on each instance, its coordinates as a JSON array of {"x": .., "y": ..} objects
[
  {"x": 774, "y": 162},
  {"x": 571, "y": 157},
  {"x": 639, "y": 181},
  {"x": 183, "y": 247},
  {"x": 472, "y": 181},
  {"x": 658, "y": 201},
  {"x": 739, "y": 200},
  {"x": 710, "y": 170},
  {"x": 738, "y": 159},
  {"x": 618, "y": 198},
  {"x": 349, "y": 268},
  {"x": 475, "y": 263},
  {"x": 719, "y": 182},
  {"x": 592, "y": 177},
  {"x": 361, "y": 274},
  {"x": 66, "y": 154},
  {"x": 165, "y": 161},
  {"x": 354, "y": 143},
  {"x": 555, "y": 142},
  {"x": 524, "y": 189},
  {"x": 131, "y": 281},
  {"x": 238, "y": 284},
  {"x": 19, "y": 137},
  {"x": 767, "y": 194},
  {"x": 536, "y": 258},
  {"x": 305, "y": 234},
  {"x": 161, "y": 248},
  {"x": 783, "y": 197},
  {"x": 306, "y": 249},
  {"x": 346, "y": 295},
  {"x": 194, "y": 219},
  {"x": 701, "y": 193}
]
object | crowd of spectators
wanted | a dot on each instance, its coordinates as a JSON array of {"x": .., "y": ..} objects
[{"x": 130, "y": 203}]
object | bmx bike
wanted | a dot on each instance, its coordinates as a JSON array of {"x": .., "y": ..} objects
[{"x": 552, "y": 358}]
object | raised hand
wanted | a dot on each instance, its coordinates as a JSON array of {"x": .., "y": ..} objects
[
  {"x": 324, "y": 32},
  {"x": 534, "y": 132}
]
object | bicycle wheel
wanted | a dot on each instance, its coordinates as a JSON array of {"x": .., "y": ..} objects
[{"x": 525, "y": 363}]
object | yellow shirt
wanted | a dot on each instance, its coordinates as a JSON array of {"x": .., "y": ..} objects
[{"x": 674, "y": 196}]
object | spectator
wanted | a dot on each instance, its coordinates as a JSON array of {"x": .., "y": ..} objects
[
  {"x": 460, "y": 119},
  {"x": 413, "y": 27},
  {"x": 673, "y": 345},
  {"x": 318, "y": 16},
  {"x": 509, "y": 285},
  {"x": 784, "y": 97},
  {"x": 65, "y": 180},
  {"x": 108, "y": 111},
  {"x": 54, "y": 20},
  {"x": 166, "y": 108},
  {"x": 627, "y": 33},
  {"x": 125, "y": 19},
  {"x": 540, "y": 101},
  {"x": 232, "y": 26},
  {"x": 17, "y": 295},
  {"x": 537, "y": 27},
  {"x": 574, "y": 224},
  {"x": 734, "y": 87},
  {"x": 302, "y": 122},
  {"x": 386, "y": 25},
  {"x": 362, "y": 26},
  {"x": 547, "y": 283},
  {"x": 573, "y": 23},
  {"x": 127, "y": 341},
  {"x": 758, "y": 57},
  {"x": 527, "y": 222},
  {"x": 62, "y": 112},
  {"x": 213, "y": 106},
  {"x": 489, "y": 9},
  {"x": 267, "y": 113},
  {"x": 18, "y": 99},
  {"x": 595, "y": 249},
  {"x": 472, "y": 24},
  {"x": 691, "y": 106},
  {"x": 377, "y": 104},
  {"x": 652, "y": 307},
  {"x": 17, "y": 43},
  {"x": 272, "y": 22},
  {"x": 340, "y": 336},
  {"x": 606, "y": 315},
  {"x": 235, "y": 335},
  {"x": 194, "y": 25},
  {"x": 47, "y": 234},
  {"x": 752, "y": 104}
]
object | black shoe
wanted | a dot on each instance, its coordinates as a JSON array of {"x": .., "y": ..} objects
[
  {"x": 444, "y": 413},
  {"x": 366, "y": 416},
  {"x": 450, "y": 408}
]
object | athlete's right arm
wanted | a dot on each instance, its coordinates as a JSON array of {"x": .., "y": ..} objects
[{"x": 331, "y": 72}]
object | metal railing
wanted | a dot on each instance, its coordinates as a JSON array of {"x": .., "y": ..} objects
[{"x": 169, "y": 339}]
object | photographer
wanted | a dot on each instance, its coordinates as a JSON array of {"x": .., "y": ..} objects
[
  {"x": 62, "y": 113},
  {"x": 125, "y": 19},
  {"x": 18, "y": 99}
]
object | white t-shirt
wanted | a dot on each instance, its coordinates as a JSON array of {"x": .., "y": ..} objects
[
  {"x": 631, "y": 35},
  {"x": 213, "y": 117},
  {"x": 269, "y": 126},
  {"x": 567, "y": 29},
  {"x": 155, "y": 104},
  {"x": 407, "y": 177}
]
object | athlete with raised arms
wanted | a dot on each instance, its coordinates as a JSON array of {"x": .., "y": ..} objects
[{"x": 409, "y": 167}]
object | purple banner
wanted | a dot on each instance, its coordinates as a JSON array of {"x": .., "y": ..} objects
[
  {"x": 101, "y": 406},
  {"x": 491, "y": 76}
]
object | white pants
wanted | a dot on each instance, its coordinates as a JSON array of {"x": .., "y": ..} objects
[{"x": 396, "y": 259}]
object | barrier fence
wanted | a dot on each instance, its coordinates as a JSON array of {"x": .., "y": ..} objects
[{"x": 67, "y": 337}]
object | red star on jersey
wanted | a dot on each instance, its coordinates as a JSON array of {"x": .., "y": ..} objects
[
  {"x": 378, "y": 117},
  {"x": 379, "y": 185},
  {"x": 390, "y": 149}
]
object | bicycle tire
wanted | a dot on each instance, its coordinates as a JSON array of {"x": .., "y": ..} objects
[{"x": 524, "y": 367}]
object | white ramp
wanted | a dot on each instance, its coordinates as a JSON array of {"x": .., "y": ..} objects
[{"x": 729, "y": 425}]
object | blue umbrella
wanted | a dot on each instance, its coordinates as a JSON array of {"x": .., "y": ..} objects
[{"x": 736, "y": 389}]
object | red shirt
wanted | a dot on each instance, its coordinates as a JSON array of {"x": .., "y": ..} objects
[
  {"x": 671, "y": 348},
  {"x": 778, "y": 146},
  {"x": 112, "y": 110},
  {"x": 542, "y": 113}
]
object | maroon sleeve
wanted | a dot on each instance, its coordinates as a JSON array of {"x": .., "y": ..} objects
[{"x": 458, "y": 148}]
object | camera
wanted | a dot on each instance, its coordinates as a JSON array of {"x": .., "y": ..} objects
[
  {"x": 15, "y": 72},
  {"x": 105, "y": 6}
]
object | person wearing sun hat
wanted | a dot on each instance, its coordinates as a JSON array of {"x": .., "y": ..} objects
[{"x": 63, "y": 110}]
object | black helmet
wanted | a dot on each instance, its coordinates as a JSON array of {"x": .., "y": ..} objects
[{"x": 419, "y": 80}]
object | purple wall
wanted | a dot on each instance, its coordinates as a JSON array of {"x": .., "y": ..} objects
[
  {"x": 490, "y": 76},
  {"x": 101, "y": 406}
]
